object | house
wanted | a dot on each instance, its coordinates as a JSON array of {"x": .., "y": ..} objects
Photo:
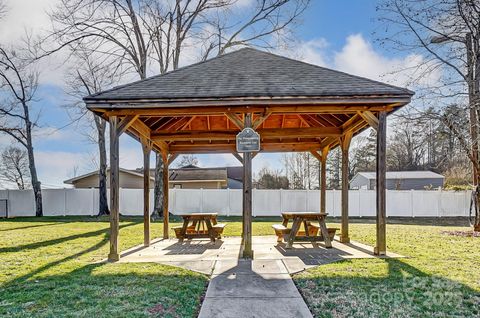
[
  {"x": 399, "y": 180},
  {"x": 188, "y": 177}
]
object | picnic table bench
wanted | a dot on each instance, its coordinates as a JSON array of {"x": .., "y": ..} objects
[
  {"x": 310, "y": 233},
  {"x": 199, "y": 225}
]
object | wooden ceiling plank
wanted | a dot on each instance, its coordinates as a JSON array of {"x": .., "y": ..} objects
[{"x": 235, "y": 120}]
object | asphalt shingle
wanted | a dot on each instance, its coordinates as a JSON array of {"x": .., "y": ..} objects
[{"x": 249, "y": 73}]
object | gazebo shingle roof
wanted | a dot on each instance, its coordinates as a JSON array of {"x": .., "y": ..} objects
[{"x": 249, "y": 73}]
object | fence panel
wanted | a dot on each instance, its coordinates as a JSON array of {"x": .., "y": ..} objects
[
  {"x": 266, "y": 202},
  {"x": 54, "y": 201},
  {"x": 21, "y": 203},
  {"x": 80, "y": 202},
  {"x": 362, "y": 203}
]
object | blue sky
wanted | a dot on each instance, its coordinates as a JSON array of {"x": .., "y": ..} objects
[{"x": 335, "y": 34}]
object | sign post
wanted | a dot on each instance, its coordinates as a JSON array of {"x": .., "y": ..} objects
[{"x": 248, "y": 141}]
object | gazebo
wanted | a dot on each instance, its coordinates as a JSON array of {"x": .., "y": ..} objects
[{"x": 294, "y": 106}]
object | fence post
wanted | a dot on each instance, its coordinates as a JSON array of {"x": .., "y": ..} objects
[
  {"x": 228, "y": 202},
  {"x": 93, "y": 200},
  {"x": 439, "y": 202},
  {"x": 64, "y": 202},
  {"x": 253, "y": 205},
  {"x": 412, "y": 211},
  {"x": 359, "y": 203},
  {"x": 306, "y": 200},
  {"x": 333, "y": 202},
  {"x": 8, "y": 204},
  {"x": 281, "y": 201}
]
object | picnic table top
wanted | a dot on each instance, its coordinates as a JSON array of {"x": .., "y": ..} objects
[
  {"x": 303, "y": 214},
  {"x": 185, "y": 215}
]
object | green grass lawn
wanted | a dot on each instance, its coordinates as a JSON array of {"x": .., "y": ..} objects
[
  {"x": 48, "y": 269},
  {"x": 440, "y": 277}
]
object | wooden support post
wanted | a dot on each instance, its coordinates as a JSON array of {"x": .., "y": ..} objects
[
  {"x": 165, "y": 194},
  {"x": 345, "y": 145},
  {"x": 323, "y": 178},
  {"x": 381, "y": 247},
  {"x": 114, "y": 188},
  {"x": 147, "y": 148},
  {"x": 247, "y": 197}
]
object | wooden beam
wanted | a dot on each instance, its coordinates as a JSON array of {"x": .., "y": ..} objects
[
  {"x": 235, "y": 120},
  {"x": 114, "y": 254},
  {"x": 267, "y": 133},
  {"x": 345, "y": 144},
  {"x": 381, "y": 246},
  {"x": 165, "y": 188},
  {"x": 305, "y": 108},
  {"x": 370, "y": 118},
  {"x": 237, "y": 155},
  {"x": 147, "y": 148},
  {"x": 316, "y": 155},
  {"x": 172, "y": 158},
  {"x": 323, "y": 179},
  {"x": 247, "y": 198},
  {"x": 125, "y": 123},
  {"x": 259, "y": 120},
  {"x": 278, "y": 146}
]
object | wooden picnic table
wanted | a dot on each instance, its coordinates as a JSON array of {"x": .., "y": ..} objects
[
  {"x": 200, "y": 225},
  {"x": 305, "y": 218}
]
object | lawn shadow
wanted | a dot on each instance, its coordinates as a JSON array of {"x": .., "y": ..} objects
[
  {"x": 107, "y": 290},
  {"x": 30, "y": 226},
  {"x": 58, "y": 240},
  {"x": 193, "y": 247},
  {"x": 403, "y": 291},
  {"x": 92, "y": 248}
]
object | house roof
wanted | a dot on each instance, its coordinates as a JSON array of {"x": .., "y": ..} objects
[
  {"x": 198, "y": 174},
  {"x": 132, "y": 172},
  {"x": 404, "y": 175},
  {"x": 248, "y": 73},
  {"x": 235, "y": 173},
  {"x": 185, "y": 174}
]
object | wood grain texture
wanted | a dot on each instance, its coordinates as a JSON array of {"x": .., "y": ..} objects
[
  {"x": 381, "y": 246},
  {"x": 114, "y": 254}
]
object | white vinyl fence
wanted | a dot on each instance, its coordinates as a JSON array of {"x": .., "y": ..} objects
[{"x": 411, "y": 203}]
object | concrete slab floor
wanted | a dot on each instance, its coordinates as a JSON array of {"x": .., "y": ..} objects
[{"x": 261, "y": 287}]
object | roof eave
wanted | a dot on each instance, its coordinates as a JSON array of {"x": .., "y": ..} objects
[{"x": 95, "y": 103}]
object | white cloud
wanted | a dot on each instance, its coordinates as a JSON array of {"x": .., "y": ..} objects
[
  {"x": 358, "y": 57},
  {"x": 24, "y": 15},
  {"x": 313, "y": 51},
  {"x": 53, "y": 167}
]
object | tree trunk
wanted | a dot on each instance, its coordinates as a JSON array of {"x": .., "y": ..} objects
[
  {"x": 102, "y": 171},
  {"x": 158, "y": 186},
  {"x": 37, "y": 190}
]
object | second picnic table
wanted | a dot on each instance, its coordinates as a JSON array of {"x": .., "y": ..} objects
[
  {"x": 304, "y": 218},
  {"x": 199, "y": 225}
]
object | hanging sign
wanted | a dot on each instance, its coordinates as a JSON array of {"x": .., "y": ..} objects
[{"x": 248, "y": 140}]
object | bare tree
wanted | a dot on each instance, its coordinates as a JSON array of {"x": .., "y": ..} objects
[
  {"x": 89, "y": 77},
  {"x": 137, "y": 35},
  {"x": 187, "y": 160},
  {"x": 447, "y": 33},
  {"x": 301, "y": 170},
  {"x": 18, "y": 85},
  {"x": 271, "y": 179},
  {"x": 14, "y": 166},
  {"x": 3, "y": 8}
]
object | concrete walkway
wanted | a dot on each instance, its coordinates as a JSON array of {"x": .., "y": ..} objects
[
  {"x": 261, "y": 287},
  {"x": 258, "y": 288}
]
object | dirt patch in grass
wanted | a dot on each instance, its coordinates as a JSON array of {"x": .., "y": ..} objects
[{"x": 462, "y": 233}]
